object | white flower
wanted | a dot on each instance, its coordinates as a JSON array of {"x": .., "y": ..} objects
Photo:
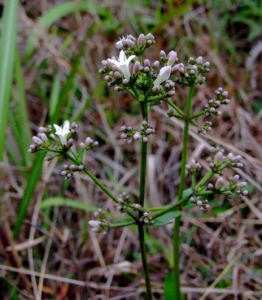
[
  {"x": 123, "y": 63},
  {"x": 62, "y": 132},
  {"x": 163, "y": 75}
]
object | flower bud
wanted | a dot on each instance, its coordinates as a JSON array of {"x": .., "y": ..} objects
[
  {"x": 137, "y": 136},
  {"x": 219, "y": 182},
  {"x": 136, "y": 67},
  {"x": 199, "y": 60},
  {"x": 94, "y": 223},
  {"x": 242, "y": 184},
  {"x": 218, "y": 157},
  {"x": 141, "y": 39},
  {"x": 172, "y": 58},
  {"x": 236, "y": 178},
  {"x": 43, "y": 137}
]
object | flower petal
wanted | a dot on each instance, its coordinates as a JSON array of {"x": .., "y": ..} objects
[
  {"x": 66, "y": 126},
  {"x": 114, "y": 62},
  {"x": 125, "y": 70},
  {"x": 57, "y": 128},
  {"x": 130, "y": 58},
  {"x": 122, "y": 57}
]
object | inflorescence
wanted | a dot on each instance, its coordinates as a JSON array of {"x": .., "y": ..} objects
[{"x": 149, "y": 83}]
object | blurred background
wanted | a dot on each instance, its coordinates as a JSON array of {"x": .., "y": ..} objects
[{"x": 46, "y": 248}]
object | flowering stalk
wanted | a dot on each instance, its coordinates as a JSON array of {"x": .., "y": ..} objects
[
  {"x": 180, "y": 195},
  {"x": 142, "y": 189}
]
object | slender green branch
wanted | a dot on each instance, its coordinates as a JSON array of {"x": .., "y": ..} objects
[
  {"x": 177, "y": 109},
  {"x": 142, "y": 189},
  {"x": 199, "y": 114}
]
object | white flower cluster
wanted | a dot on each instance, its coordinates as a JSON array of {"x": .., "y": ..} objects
[
  {"x": 193, "y": 167},
  {"x": 88, "y": 144},
  {"x": 99, "y": 225},
  {"x": 69, "y": 170},
  {"x": 193, "y": 72},
  {"x": 130, "y": 134}
]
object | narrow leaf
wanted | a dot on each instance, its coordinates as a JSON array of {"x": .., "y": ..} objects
[{"x": 7, "y": 51}]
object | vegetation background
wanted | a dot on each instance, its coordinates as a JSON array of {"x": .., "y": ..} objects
[{"x": 50, "y": 53}]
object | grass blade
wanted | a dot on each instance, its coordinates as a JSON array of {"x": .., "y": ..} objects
[
  {"x": 69, "y": 81},
  {"x": 21, "y": 112},
  {"x": 7, "y": 54}
]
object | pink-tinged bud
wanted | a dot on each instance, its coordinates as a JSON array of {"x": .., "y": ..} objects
[
  {"x": 199, "y": 60},
  {"x": 42, "y": 129},
  {"x": 137, "y": 206},
  {"x": 88, "y": 140},
  {"x": 82, "y": 145},
  {"x": 219, "y": 182},
  {"x": 156, "y": 64},
  {"x": 43, "y": 137},
  {"x": 172, "y": 58},
  {"x": 218, "y": 157},
  {"x": 236, "y": 178},
  {"x": 95, "y": 229},
  {"x": 70, "y": 142},
  {"x": 242, "y": 184},
  {"x": 137, "y": 136},
  {"x": 237, "y": 158},
  {"x": 123, "y": 135},
  {"x": 150, "y": 36},
  {"x": 94, "y": 223},
  {"x": 171, "y": 93},
  {"x": 199, "y": 202},
  {"x": 141, "y": 39},
  {"x": 36, "y": 140},
  {"x": 192, "y": 200},
  {"x": 174, "y": 68},
  {"x": 210, "y": 186},
  {"x": 136, "y": 67},
  {"x": 245, "y": 192},
  {"x": 162, "y": 53},
  {"x": 147, "y": 63}
]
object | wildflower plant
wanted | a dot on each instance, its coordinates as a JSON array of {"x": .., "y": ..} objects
[{"x": 152, "y": 83}]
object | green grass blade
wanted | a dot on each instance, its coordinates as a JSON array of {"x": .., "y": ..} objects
[
  {"x": 54, "y": 95},
  {"x": 59, "y": 201},
  {"x": 21, "y": 112},
  {"x": 7, "y": 54},
  {"x": 29, "y": 190},
  {"x": 69, "y": 81}
]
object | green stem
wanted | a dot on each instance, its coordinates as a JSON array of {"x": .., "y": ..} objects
[
  {"x": 178, "y": 110},
  {"x": 180, "y": 195},
  {"x": 142, "y": 189},
  {"x": 201, "y": 113},
  {"x": 141, "y": 233}
]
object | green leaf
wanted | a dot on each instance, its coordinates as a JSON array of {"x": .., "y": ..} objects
[
  {"x": 169, "y": 286},
  {"x": 7, "y": 55},
  {"x": 123, "y": 220},
  {"x": 163, "y": 220},
  {"x": 21, "y": 112},
  {"x": 59, "y": 201}
]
